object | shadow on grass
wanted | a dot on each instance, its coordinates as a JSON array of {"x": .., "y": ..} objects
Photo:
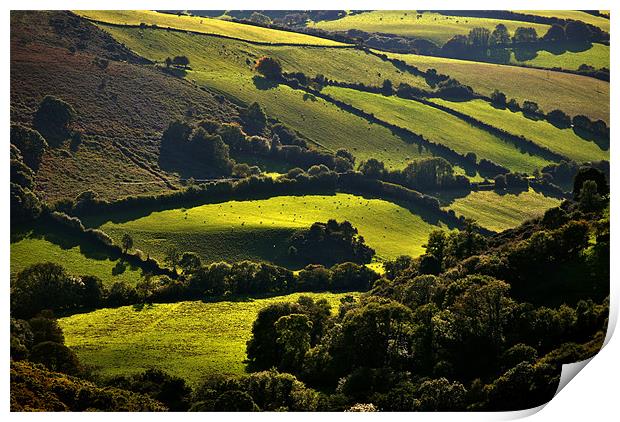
[
  {"x": 262, "y": 83},
  {"x": 65, "y": 241}
]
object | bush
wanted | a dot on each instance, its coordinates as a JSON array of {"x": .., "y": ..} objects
[
  {"x": 269, "y": 68},
  {"x": 52, "y": 119}
]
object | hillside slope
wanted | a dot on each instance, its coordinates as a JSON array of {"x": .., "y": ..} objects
[{"x": 122, "y": 107}]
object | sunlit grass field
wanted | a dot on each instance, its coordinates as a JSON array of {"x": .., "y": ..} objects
[
  {"x": 258, "y": 229},
  {"x": 432, "y": 26},
  {"x": 440, "y": 127},
  {"x": 226, "y": 68},
  {"x": 601, "y": 22},
  {"x": 204, "y": 25},
  {"x": 187, "y": 339},
  {"x": 574, "y": 94},
  {"x": 501, "y": 211},
  {"x": 77, "y": 260},
  {"x": 561, "y": 141},
  {"x": 596, "y": 56}
]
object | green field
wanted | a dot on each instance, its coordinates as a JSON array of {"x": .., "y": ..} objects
[
  {"x": 499, "y": 212},
  {"x": 187, "y": 339},
  {"x": 573, "y": 94},
  {"x": 204, "y": 25},
  {"x": 257, "y": 229},
  {"x": 578, "y": 15},
  {"x": 222, "y": 55},
  {"x": 561, "y": 141},
  {"x": 432, "y": 26},
  {"x": 596, "y": 56},
  {"x": 225, "y": 66},
  {"x": 440, "y": 127},
  {"x": 77, "y": 260}
]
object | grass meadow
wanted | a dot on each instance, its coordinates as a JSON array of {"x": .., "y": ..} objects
[
  {"x": 204, "y": 25},
  {"x": 75, "y": 258},
  {"x": 596, "y": 56},
  {"x": 500, "y": 211},
  {"x": 562, "y": 141},
  {"x": 187, "y": 339},
  {"x": 222, "y": 67},
  {"x": 440, "y": 127},
  {"x": 574, "y": 94},
  {"x": 258, "y": 229},
  {"x": 578, "y": 15}
]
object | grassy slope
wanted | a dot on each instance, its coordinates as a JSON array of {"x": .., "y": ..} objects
[
  {"x": 225, "y": 66},
  {"x": 204, "y": 25},
  {"x": 433, "y": 26},
  {"x": 574, "y": 94},
  {"x": 562, "y": 141},
  {"x": 75, "y": 259},
  {"x": 502, "y": 211},
  {"x": 187, "y": 339},
  {"x": 257, "y": 229},
  {"x": 596, "y": 56},
  {"x": 440, "y": 127},
  {"x": 602, "y": 23},
  {"x": 123, "y": 103}
]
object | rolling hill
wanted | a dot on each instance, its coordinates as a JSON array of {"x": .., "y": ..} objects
[
  {"x": 225, "y": 66},
  {"x": 258, "y": 229},
  {"x": 435, "y": 27},
  {"x": 573, "y": 94},
  {"x": 204, "y": 25},
  {"x": 122, "y": 106},
  {"x": 562, "y": 141},
  {"x": 440, "y": 127}
]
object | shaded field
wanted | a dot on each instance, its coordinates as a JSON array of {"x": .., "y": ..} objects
[
  {"x": 573, "y": 94},
  {"x": 204, "y": 25},
  {"x": 440, "y": 127},
  {"x": 225, "y": 67},
  {"x": 562, "y": 141},
  {"x": 596, "y": 56},
  {"x": 432, "y": 26},
  {"x": 76, "y": 259},
  {"x": 187, "y": 339},
  {"x": 257, "y": 229},
  {"x": 499, "y": 211}
]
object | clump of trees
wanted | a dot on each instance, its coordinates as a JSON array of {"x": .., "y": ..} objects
[
  {"x": 269, "y": 67},
  {"x": 196, "y": 145},
  {"x": 182, "y": 61},
  {"x": 53, "y": 119},
  {"x": 465, "y": 326},
  {"x": 424, "y": 175},
  {"x": 329, "y": 243}
]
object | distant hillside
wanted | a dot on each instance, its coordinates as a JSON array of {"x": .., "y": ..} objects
[{"x": 122, "y": 107}]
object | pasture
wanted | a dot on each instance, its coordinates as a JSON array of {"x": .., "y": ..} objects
[
  {"x": 435, "y": 27},
  {"x": 597, "y": 56},
  {"x": 258, "y": 229},
  {"x": 499, "y": 211},
  {"x": 225, "y": 67},
  {"x": 76, "y": 259},
  {"x": 577, "y": 15},
  {"x": 562, "y": 141},
  {"x": 187, "y": 339},
  {"x": 573, "y": 94},
  {"x": 440, "y": 127},
  {"x": 204, "y": 25}
]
